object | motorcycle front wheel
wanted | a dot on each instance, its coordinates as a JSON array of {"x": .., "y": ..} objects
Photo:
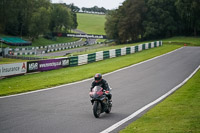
[
  {"x": 97, "y": 109},
  {"x": 109, "y": 108}
]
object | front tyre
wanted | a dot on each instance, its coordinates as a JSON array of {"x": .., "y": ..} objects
[
  {"x": 109, "y": 108},
  {"x": 97, "y": 109}
]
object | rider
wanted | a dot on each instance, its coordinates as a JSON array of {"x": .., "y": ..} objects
[{"x": 98, "y": 81}]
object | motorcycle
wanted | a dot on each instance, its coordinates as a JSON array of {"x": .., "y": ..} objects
[{"x": 100, "y": 101}]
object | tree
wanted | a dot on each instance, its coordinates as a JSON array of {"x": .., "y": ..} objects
[
  {"x": 35, "y": 17},
  {"x": 130, "y": 20},
  {"x": 94, "y": 9},
  {"x": 189, "y": 11},
  {"x": 111, "y": 25},
  {"x": 160, "y": 19},
  {"x": 73, "y": 8},
  {"x": 40, "y": 22},
  {"x": 61, "y": 18},
  {"x": 152, "y": 19},
  {"x": 74, "y": 19}
]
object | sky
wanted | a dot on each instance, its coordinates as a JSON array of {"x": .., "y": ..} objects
[{"x": 108, "y": 4}]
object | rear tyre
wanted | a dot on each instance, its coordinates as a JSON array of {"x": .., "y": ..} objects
[{"x": 97, "y": 109}]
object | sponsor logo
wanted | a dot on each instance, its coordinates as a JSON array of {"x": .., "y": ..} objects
[
  {"x": 65, "y": 62},
  {"x": 52, "y": 64},
  {"x": 23, "y": 69},
  {"x": 33, "y": 66},
  {"x": 10, "y": 69}
]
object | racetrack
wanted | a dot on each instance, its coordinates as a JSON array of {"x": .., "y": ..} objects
[{"x": 67, "y": 109}]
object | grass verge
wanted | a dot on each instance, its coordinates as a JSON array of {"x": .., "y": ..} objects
[
  {"x": 44, "y": 42},
  {"x": 189, "y": 41},
  {"x": 52, "y": 78},
  {"x": 179, "y": 113},
  {"x": 8, "y": 60}
]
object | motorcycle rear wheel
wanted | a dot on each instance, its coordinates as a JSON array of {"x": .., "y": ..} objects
[{"x": 97, "y": 109}]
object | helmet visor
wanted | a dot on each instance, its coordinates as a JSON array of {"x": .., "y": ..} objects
[{"x": 97, "y": 78}]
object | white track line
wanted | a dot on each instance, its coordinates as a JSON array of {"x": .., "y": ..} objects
[
  {"x": 88, "y": 79},
  {"x": 116, "y": 125}
]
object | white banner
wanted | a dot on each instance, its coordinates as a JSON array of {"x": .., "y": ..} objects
[{"x": 13, "y": 69}]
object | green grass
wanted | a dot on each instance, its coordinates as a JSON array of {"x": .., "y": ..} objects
[
  {"x": 179, "y": 113},
  {"x": 8, "y": 60},
  {"x": 91, "y": 23},
  {"x": 190, "y": 41},
  {"x": 43, "y": 42},
  {"x": 52, "y": 78}
]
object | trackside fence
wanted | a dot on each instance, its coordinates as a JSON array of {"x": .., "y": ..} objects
[
  {"x": 102, "y": 55},
  {"x": 51, "y": 64}
]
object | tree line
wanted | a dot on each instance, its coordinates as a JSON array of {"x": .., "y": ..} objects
[
  {"x": 85, "y": 9},
  {"x": 152, "y": 19},
  {"x": 94, "y": 9},
  {"x": 33, "y": 18}
]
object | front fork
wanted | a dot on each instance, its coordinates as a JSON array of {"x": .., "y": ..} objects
[{"x": 103, "y": 105}]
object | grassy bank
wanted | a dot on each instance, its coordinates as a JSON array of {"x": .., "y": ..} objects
[
  {"x": 189, "y": 41},
  {"x": 179, "y": 113},
  {"x": 91, "y": 23},
  {"x": 67, "y": 75},
  {"x": 43, "y": 42}
]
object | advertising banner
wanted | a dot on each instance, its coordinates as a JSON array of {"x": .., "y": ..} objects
[
  {"x": 92, "y": 36},
  {"x": 45, "y": 65},
  {"x": 13, "y": 69},
  {"x": 87, "y": 36}
]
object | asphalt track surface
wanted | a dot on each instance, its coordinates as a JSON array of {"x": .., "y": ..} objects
[{"x": 67, "y": 109}]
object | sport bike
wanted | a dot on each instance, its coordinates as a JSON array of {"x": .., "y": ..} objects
[{"x": 100, "y": 101}]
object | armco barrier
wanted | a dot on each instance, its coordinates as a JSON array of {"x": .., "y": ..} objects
[
  {"x": 91, "y": 58},
  {"x": 102, "y": 55},
  {"x": 136, "y": 49},
  {"x": 112, "y": 53},
  {"x": 106, "y": 55},
  {"x": 128, "y": 50},
  {"x": 45, "y": 65},
  {"x": 99, "y": 55},
  {"x": 82, "y": 59},
  {"x": 47, "y": 49},
  {"x": 118, "y": 52},
  {"x": 73, "y": 61}
]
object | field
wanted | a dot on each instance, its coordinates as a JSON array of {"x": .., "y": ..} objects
[{"x": 91, "y": 23}]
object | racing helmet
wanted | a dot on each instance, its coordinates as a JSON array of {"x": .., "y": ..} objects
[{"x": 98, "y": 77}]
